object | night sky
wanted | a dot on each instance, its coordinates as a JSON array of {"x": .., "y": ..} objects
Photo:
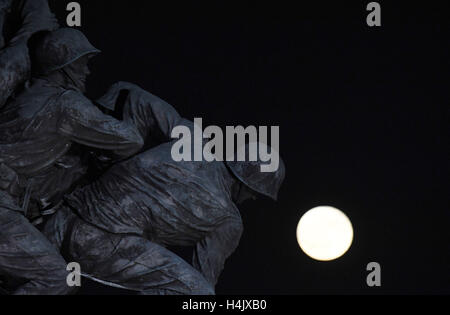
[{"x": 363, "y": 115}]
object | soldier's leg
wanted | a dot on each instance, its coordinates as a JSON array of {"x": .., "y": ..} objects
[
  {"x": 134, "y": 263},
  {"x": 14, "y": 69},
  {"x": 2, "y": 22},
  {"x": 57, "y": 228},
  {"x": 26, "y": 254}
]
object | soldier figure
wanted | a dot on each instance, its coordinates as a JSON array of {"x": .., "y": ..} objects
[
  {"x": 19, "y": 20},
  {"x": 38, "y": 163},
  {"x": 117, "y": 228}
]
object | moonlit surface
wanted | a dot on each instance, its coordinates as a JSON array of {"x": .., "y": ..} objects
[{"x": 325, "y": 233}]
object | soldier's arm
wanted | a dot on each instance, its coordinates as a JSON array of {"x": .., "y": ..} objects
[
  {"x": 36, "y": 16},
  {"x": 210, "y": 253},
  {"x": 154, "y": 117},
  {"x": 2, "y": 23},
  {"x": 84, "y": 123},
  {"x": 33, "y": 16}
]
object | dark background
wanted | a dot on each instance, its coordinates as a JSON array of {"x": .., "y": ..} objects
[{"x": 363, "y": 114}]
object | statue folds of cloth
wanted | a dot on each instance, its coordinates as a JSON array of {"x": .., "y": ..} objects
[
  {"x": 117, "y": 227},
  {"x": 19, "y": 20},
  {"x": 116, "y": 221},
  {"x": 42, "y": 131}
]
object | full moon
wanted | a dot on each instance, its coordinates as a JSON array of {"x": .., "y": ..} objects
[{"x": 325, "y": 233}]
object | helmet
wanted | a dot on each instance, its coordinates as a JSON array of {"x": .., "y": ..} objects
[
  {"x": 250, "y": 174},
  {"x": 60, "y": 48}
]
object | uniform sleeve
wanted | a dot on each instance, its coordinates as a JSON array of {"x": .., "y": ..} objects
[
  {"x": 153, "y": 117},
  {"x": 36, "y": 16},
  {"x": 32, "y": 16},
  {"x": 85, "y": 124},
  {"x": 210, "y": 253}
]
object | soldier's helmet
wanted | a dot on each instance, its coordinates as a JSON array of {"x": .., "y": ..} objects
[
  {"x": 59, "y": 48},
  {"x": 250, "y": 174}
]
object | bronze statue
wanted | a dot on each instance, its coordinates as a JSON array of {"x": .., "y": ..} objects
[
  {"x": 38, "y": 160},
  {"x": 19, "y": 21},
  {"x": 117, "y": 228},
  {"x": 117, "y": 218}
]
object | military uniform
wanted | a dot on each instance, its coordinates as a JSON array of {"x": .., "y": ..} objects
[
  {"x": 38, "y": 129},
  {"x": 140, "y": 206},
  {"x": 126, "y": 218},
  {"x": 19, "y": 20}
]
